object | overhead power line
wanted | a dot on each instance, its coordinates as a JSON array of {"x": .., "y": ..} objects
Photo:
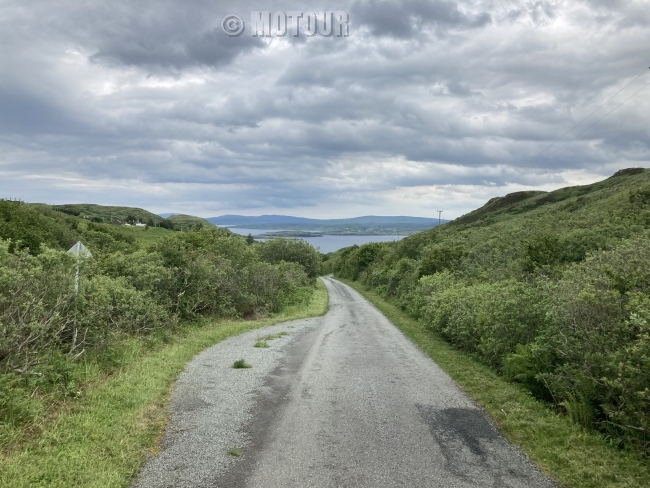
[
  {"x": 620, "y": 104},
  {"x": 601, "y": 106}
]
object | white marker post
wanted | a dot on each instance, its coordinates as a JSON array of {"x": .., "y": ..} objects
[{"x": 81, "y": 252}]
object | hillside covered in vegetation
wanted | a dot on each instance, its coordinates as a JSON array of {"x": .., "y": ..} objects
[
  {"x": 552, "y": 290},
  {"x": 186, "y": 222},
  {"x": 58, "y": 310},
  {"x": 104, "y": 214}
]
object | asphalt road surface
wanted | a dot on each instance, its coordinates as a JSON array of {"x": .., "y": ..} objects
[{"x": 348, "y": 401}]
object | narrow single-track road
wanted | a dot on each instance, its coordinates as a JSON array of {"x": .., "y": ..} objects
[{"x": 345, "y": 401}]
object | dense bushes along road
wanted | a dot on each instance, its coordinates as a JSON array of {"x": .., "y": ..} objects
[
  {"x": 124, "y": 291},
  {"x": 550, "y": 289}
]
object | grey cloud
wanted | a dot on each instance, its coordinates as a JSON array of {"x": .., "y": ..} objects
[
  {"x": 26, "y": 113},
  {"x": 215, "y": 48},
  {"x": 407, "y": 18},
  {"x": 422, "y": 94},
  {"x": 161, "y": 35},
  {"x": 541, "y": 11},
  {"x": 211, "y": 48}
]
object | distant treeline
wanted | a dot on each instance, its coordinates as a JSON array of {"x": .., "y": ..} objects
[
  {"x": 551, "y": 290},
  {"x": 123, "y": 291}
]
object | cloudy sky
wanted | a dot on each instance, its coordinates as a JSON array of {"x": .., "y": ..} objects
[{"x": 426, "y": 105}]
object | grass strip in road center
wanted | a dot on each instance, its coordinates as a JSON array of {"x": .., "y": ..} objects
[
  {"x": 103, "y": 438},
  {"x": 559, "y": 447}
]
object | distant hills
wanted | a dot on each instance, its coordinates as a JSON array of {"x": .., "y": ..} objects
[
  {"x": 283, "y": 220},
  {"x": 366, "y": 225}
]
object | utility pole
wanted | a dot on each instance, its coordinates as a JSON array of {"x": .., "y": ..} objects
[{"x": 439, "y": 214}]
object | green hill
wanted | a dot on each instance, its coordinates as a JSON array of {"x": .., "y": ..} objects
[
  {"x": 550, "y": 289},
  {"x": 59, "y": 226},
  {"x": 185, "y": 222},
  {"x": 104, "y": 214},
  {"x": 107, "y": 214},
  {"x": 568, "y": 199}
]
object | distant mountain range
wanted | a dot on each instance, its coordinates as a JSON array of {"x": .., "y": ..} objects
[{"x": 284, "y": 220}]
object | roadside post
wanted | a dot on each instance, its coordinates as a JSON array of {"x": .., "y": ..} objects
[{"x": 80, "y": 252}]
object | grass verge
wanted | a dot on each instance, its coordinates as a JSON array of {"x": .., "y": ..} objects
[
  {"x": 101, "y": 438},
  {"x": 563, "y": 450}
]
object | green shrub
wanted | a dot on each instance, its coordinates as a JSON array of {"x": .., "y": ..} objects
[
  {"x": 28, "y": 228},
  {"x": 217, "y": 273},
  {"x": 36, "y": 303},
  {"x": 100, "y": 240},
  {"x": 641, "y": 197},
  {"x": 123, "y": 291},
  {"x": 600, "y": 335},
  {"x": 275, "y": 251},
  {"x": 438, "y": 258},
  {"x": 576, "y": 245},
  {"x": 489, "y": 319},
  {"x": 109, "y": 307},
  {"x": 145, "y": 271},
  {"x": 542, "y": 250}
]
